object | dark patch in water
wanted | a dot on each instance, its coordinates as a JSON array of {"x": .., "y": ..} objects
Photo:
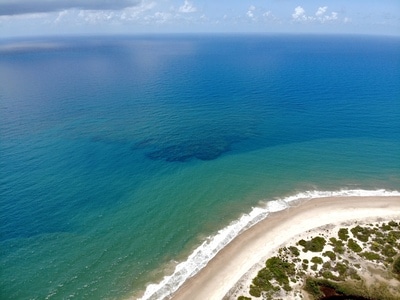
[{"x": 203, "y": 150}]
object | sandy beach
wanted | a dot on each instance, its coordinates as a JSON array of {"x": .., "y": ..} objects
[{"x": 257, "y": 243}]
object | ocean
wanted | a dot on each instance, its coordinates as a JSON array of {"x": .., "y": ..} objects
[{"x": 126, "y": 159}]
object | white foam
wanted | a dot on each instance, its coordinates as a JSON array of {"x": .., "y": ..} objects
[{"x": 208, "y": 249}]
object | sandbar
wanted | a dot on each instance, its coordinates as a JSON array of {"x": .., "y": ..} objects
[{"x": 257, "y": 243}]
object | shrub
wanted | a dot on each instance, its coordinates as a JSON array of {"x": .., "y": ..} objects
[
  {"x": 255, "y": 291},
  {"x": 388, "y": 251},
  {"x": 243, "y": 298},
  {"x": 265, "y": 274},
  {"x": 328, "y": 275},
  {"x": 396, "y": 266},
  {"x": 280, "y": 269},
  {"x": 317, "y": 260},
  {"x": 312, "y": 287},
  {"x": 361, "y": 233},
  {"x": 294, "y": 251},
  {"x": 263, "y": 284},
  {"x": 392, "y": 238},
  {"x": 337, "y": 245},
  {"x": 375, "y": 246},
  {"x": 355, "y": 276},
  {"x": 370, "y": 255},
  {"x": 395, "y": 233},
  {"x": 287, "y": 288},
  {"x": 343, "y": 234},
  {"x": 327, "y": 265},
  {"x": 316, "y": 244},
  {"x": 379, "y": 241},
  {"x": 314, "y": 267},
  {"x": 354, "y": 246},
  {"x": 389, "y": 260},
  {"x": 341, "y": 268},
  {"x": 386, "y": 227},
  {"x": 329, "y": 254}
]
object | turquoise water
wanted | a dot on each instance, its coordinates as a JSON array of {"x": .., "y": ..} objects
[{"x": 120, "y": 156}]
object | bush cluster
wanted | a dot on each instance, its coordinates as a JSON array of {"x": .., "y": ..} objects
[
  {"x": 316, "y": 244},
  {"x": 343, "y": 234},
  {"x": 337, "y": 273},
  {"x": 352, "y": 244},
  {"x": 276, "y": 269}
]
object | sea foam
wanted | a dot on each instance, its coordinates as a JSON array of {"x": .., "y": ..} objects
[{"x": 199, "y": 258}]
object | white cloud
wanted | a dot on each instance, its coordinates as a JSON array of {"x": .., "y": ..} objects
[
  {"x": 250, "y": 11},
  {"x": 333, "y": 16},
  {"x": 322, "y": 17},
  {"x": 321, "y": 11},
  {"x": 160, "y": 17},
  {"x": 347, "y": 20},
  {"x": 268, "y": 16},
  {"x": 95, "y": 17},
  {"x": 61, "y": 16},
  {"x": 187, "y": 7},
  {"x": 299, "y": 13},
  {"x": 136, "y": 12}
]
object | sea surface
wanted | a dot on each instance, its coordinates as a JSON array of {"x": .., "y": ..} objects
[{"x": 127, "y": 159}]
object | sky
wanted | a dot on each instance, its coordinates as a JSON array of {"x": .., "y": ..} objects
[{"x": 94, "y": 17}]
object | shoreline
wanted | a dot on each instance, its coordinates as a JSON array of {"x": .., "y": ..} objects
[{"x": 236, "y": 261}]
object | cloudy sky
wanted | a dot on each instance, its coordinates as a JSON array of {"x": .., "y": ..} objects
[{"x": 56, "y": 17}]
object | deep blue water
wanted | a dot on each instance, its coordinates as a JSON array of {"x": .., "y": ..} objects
[{"x": 120, "y": 155}]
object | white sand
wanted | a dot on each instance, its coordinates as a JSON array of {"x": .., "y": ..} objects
[{"x": 260, "y": 241}]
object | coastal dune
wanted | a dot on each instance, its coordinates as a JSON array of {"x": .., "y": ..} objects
[{"x": 256, "y": 244}]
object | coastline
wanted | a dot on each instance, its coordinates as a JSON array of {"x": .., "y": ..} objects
[{"x": 250, "y": 248}]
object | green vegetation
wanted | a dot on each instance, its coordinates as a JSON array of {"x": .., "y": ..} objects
[
  {"x": 304, "y": 266},
  {"x": 356, "y": 250},
  {"x": 294, "y": 251},
  {"x": 316, "y": 244},
  {"x": 329, "y": 254},
  {"x": 328, "y": 275},
  {"x": 276, "y": 270},
  {"x": 375, "y": 246},
  {"x": 343, "y": 234},
  {"x": 361, "y": 233},
  {"x": 352, "y": 244},
  {"x": 317, "y": 260},
  {"x": 341, "y": 268},
  {"x": 371, "y": 255},
  {"x": 389, "y": 251},
  {"x": 338, "y": 246},
  {"x": 386, "y": 227},
  {"x": 396, "y": 266},
  {"x": 281, "y": 271},
  {"x": 312, "y": 286}
]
